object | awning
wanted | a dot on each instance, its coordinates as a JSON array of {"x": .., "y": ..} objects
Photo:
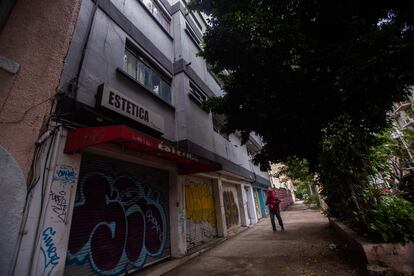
[{"x": 81, "y": 138}]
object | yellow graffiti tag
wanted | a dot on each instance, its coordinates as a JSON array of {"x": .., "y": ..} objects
[{"x": 199, "y": 203}]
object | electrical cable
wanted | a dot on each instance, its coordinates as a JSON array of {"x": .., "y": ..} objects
[
  {"x": 29, "y": 193},
  {"x": 42, "y": 198}
]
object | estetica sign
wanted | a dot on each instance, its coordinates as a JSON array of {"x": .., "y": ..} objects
[{"x": 118, "y": 102}]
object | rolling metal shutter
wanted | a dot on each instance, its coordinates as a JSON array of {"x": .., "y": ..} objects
[
  {"x": 201, "y": 224},
  {"x": 231, "y": 205},
  {"x": 257, "y": 204},
  {"x": 120, "y": 219}
]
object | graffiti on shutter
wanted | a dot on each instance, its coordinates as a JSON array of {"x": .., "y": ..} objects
[
  {"x": 256, "y": 203},
  {"x": 119, "y": 222},
  {"x": 200, "y": 213},
  {"x": 231, "y": 211}
]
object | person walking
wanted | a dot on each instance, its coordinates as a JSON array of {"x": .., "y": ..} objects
[{"x": 273, "y": 202}]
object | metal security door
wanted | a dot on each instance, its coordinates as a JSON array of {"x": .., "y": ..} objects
[
  {"x": 257, "y": 204},
  {"x": 120, "y": 218},
  {"x": 200, "y": 211},
  {"x": 231, "y": 206},
  {"x": 262, "y": 202}
]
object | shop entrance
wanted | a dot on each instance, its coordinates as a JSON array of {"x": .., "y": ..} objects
[{"x": 120, "y": 219}]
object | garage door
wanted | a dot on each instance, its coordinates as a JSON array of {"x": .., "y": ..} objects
[
  {"x": 200, "y": 211},
  {"x": 120, "y": 219},
  {"x": 231, "y": 206},
  {"x": 257, "y": 204}
]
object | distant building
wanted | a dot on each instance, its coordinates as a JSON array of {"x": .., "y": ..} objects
[
  {"x": 283, "y": 184},
  {"x": 404, "y": 114}
]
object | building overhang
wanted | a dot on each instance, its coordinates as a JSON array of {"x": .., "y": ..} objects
[{"x": 187, "y": 163}]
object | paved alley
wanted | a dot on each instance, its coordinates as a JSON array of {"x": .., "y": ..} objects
[{"x": 302, "y": 249}]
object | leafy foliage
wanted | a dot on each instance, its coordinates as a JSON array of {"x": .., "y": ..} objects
[
  {"x": 392, "y": 220},
  {"x": 315, "y": 79},
  {"x": 391, "y": 160},
  {"x": 298, "y": 171},
  {"x": 297, "y": 65},
  {"x": 312, "y": 200},
  {"x": 344, "y": 168}
]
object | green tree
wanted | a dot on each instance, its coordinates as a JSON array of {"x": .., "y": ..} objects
[
  {"x": 315, "y": 79},
  {"x": 391, "y": 159},
  {"x": 298, "y": 171},
  {"x": 292, "y": 67}
]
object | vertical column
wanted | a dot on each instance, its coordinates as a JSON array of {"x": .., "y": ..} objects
[
  {"x": 219, "y": 206},
  {"x": 251, "y": 205},
  {"x": 48, "y": 221},
  {"x": 177, "y": 216}
]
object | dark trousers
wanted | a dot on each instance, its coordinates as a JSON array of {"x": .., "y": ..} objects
[{"x": 276, "y": 213}]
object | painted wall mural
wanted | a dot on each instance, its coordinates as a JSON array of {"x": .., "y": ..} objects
[
  {"x": 118, "y": 223},
  {"x": 231, "y": 210},
  {"x": 200, "y": 213}
]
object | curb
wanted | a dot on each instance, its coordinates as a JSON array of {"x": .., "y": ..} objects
[{"x": 381, "y": 258}]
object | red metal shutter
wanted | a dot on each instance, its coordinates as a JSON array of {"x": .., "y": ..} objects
[{"x": 120, "y": 219}]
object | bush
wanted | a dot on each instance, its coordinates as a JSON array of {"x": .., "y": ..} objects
[
  {"x": 392, "y": 220},
  {"x": 312, "y": 199}
]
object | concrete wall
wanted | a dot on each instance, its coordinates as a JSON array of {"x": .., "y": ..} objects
[
  {"x": 42, "y": 249},
  {"x": 104, "y": 54},
  {"x": 105, "y": 50},
  {"x": 37, "y": 42},
  {"x": 13, "y": 187}
]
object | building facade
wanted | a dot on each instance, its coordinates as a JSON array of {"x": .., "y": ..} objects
[
  {"x": 136, "y": 170},
  {"x": 285, "y": 190},
  {"x": 33, "y": 46}
]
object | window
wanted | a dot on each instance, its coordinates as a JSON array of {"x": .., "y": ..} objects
[
  {"x": 251, "y": 149},
  {"x": 136, "y": 67},
  {"x": 197, "y": 95},
  {"x": 218, "y": 125},
  {"x": 157, "y": 12},
  {"x": 192, "y": 34}
]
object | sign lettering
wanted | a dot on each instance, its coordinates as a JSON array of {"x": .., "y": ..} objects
[{"x": 122, "y": 104}]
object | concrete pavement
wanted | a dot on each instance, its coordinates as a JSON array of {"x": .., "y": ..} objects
[{"x": 302, "y": 249}]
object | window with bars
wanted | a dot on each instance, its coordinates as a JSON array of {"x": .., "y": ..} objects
[
  {"x": 218, "y": 125},
  {"x": 197, "y": 94},
  {"x": 140, "y": 70},
  {"x": 154, "y": 8}
]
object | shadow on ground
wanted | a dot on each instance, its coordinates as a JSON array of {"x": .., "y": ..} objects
[{"x": 303, "y": 249}]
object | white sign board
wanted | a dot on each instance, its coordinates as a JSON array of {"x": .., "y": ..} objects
[{"x": 118, "y": 102}]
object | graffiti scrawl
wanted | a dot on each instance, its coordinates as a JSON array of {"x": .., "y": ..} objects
[
  {"x": 230, "y": 209},
  {"x": 200, "y": 213},
  {"x": 48, "y": 249},
  {"x": 117, "y": 224}
]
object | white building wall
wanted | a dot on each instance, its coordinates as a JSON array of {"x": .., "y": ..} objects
[{"x": 42, "y": 250}]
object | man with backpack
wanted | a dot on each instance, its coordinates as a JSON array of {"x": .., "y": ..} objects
[{"x": 273, "y": 202}]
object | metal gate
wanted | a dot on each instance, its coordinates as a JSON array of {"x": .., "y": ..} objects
[
  {"x": 262, "y": 199},
  {"x": 231, "y": 206},
  {"x": 120, "y": 218},
  {"x": 257, "y": 204},
  {"x": 200, "y": 211}
]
